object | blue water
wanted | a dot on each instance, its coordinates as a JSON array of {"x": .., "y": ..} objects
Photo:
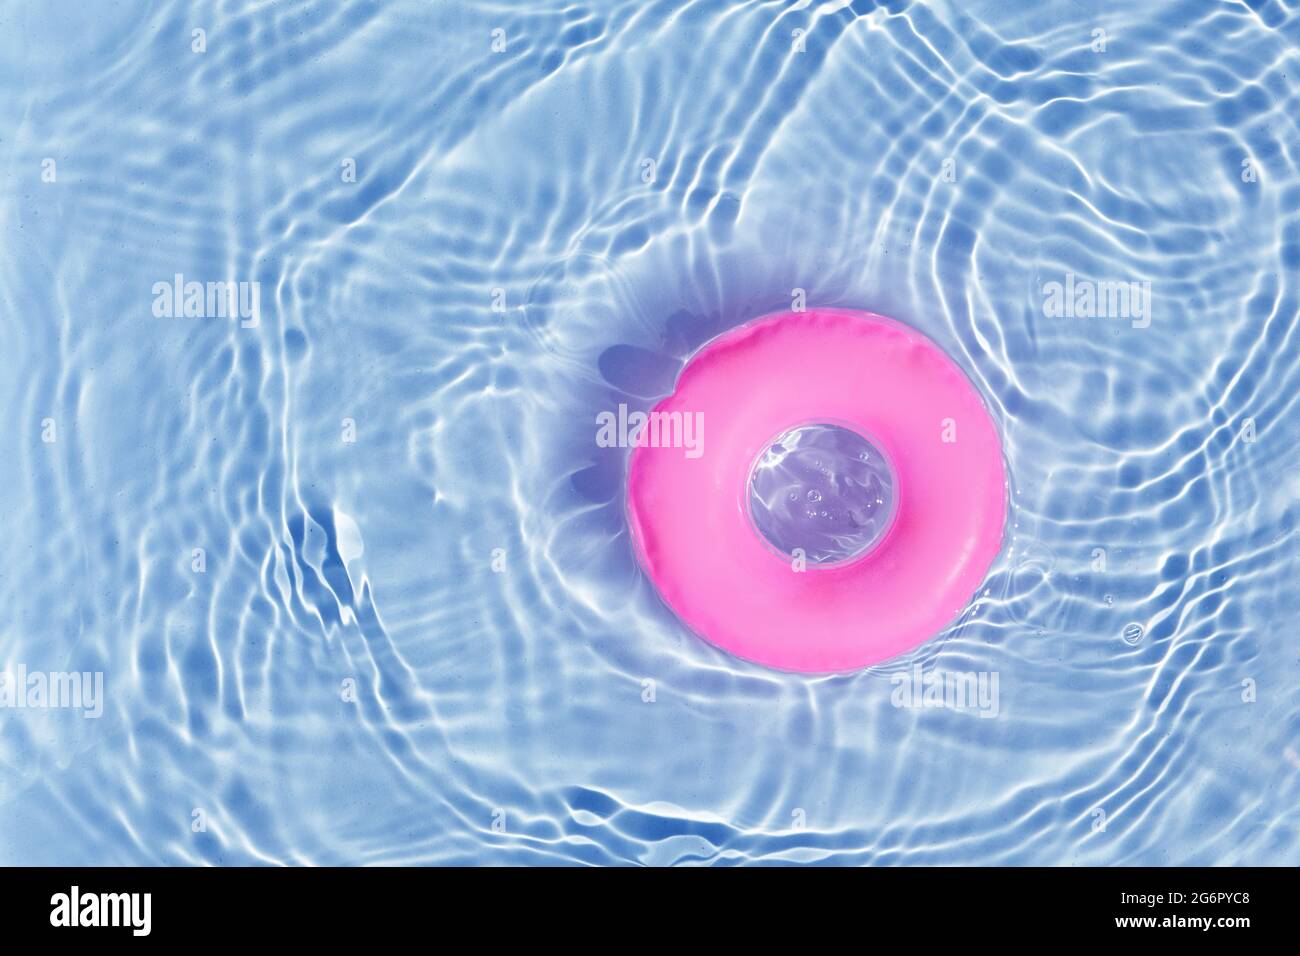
[
  {"x": 821, "y": 490},
  {"x": 356, "y": 573}
]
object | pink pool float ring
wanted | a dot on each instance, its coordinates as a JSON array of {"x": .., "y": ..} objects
[{"x": 840, "y": 497}]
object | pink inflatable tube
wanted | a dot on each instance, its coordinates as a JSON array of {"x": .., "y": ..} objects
[{"x": 690, "y": 513}]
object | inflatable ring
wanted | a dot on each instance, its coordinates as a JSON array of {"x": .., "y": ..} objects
[{"x": 691, "y": 510}]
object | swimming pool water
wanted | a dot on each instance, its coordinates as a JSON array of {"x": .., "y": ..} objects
[
  {"x": 341, "y": 550},
  {"x": 822, "y": 492}
]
